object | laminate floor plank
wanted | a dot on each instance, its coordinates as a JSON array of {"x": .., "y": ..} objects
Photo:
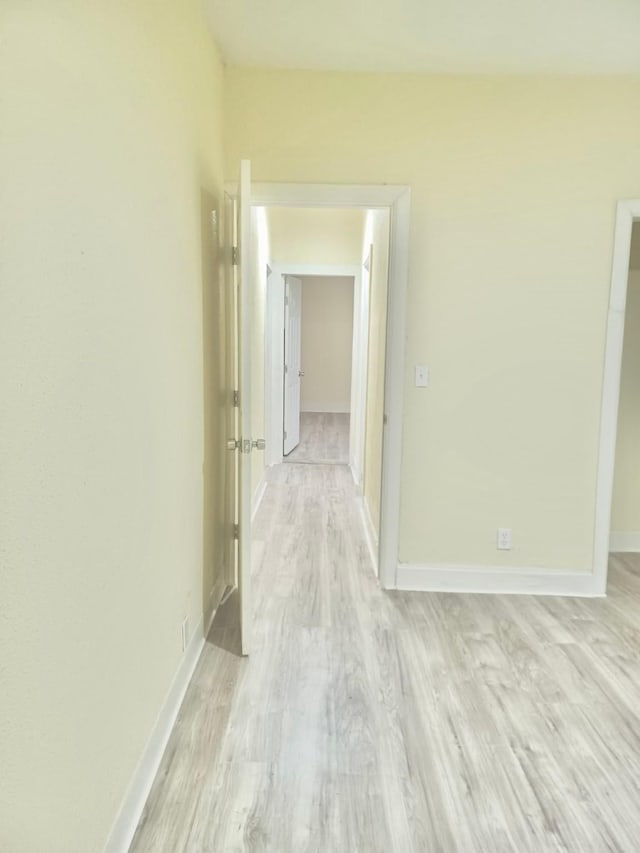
[
  {"x": 324, "y": 439},
  {"x": 374, "y": 721}
]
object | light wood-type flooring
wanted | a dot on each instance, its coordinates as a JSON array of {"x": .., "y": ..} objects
[
  {"x": 324, "y": 438},
  {"x": 367, "y": 722}
]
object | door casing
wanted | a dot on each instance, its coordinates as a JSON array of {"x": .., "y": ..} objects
[
  {"x": 274, "y": 345},
  {"x": 291, "y": 364},
  {"x": 628, "y": 212},
  {"x": 397, "y": 199}
]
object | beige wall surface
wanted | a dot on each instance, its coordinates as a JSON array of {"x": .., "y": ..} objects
[
  {"x": 625, "y": 511},
  {"x": 376, "y": 241},
  {"x": 327, "y": 341},
  {"x": 315, "y": 235},
  {"x": 514, "y": 186},
  {"x": 111, "y": 129}
]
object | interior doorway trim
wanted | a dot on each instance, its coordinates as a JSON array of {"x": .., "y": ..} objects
[
  {"x": 274, "y": 345},
  {"x": 628, "y": 212},
  {"x": 398, "y": 200}
]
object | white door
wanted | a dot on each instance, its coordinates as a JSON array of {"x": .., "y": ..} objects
[
  {"x": 292, "y": 368},
  {"x": 244, "y": 442}
]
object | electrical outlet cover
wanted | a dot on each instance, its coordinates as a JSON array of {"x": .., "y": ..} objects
[{"x": 504, "y": 539}]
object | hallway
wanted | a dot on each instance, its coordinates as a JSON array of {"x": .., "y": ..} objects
[{"x": 370, "y": 721}]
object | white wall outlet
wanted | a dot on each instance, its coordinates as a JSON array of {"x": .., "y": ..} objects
[
  {"x": 185, "y": 633},
  {"x": 504, "y": 539},
  {"x": 422, "y": 376}
]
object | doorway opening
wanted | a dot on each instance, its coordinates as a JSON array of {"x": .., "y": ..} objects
[
  {"x": 625, "y": 506},
  {"x": 257, "y": 279},
  {"x": 618, "y": 495},
  {"x": 318, "y": 348},
  {"x": 325, "y": 345},
  {"x": 382, "y": 210}
]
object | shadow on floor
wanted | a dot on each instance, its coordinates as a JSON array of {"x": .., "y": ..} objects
[{"x": 225, "y": 628}]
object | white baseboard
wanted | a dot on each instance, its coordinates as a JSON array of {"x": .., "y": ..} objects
[
  {"x": 629, "y": 541},
  {"x": 256, "y": 500},
  {"x": 357, "y": 479},
  {"x": 370, "y": 534},
  {"x": 215, "y": 597},
  {"x": 131, "y": 810},
  {"x": 126, "y": 822},
  {"x": 328, "y": 408},
  {"x": 497, "y": 580}
]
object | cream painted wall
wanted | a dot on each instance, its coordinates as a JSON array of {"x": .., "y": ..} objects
[
  {"x": 625, "y": 511},
  {"x": 315, "y": 235},
  {"x": 260, "y": 255},
  {"x": 111, "y": 150},
  {"x": 376, "y": 241},
  {"x": 327, "y": 340},
  {"x": 514, "y": 184}
]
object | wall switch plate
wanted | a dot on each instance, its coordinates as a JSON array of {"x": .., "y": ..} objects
[
  {"x": 504, "y": 539},
  {"x": 422, "y": 376},
  {"x": 185, "y": 633}
]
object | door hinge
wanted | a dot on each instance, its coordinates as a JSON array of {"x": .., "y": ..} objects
[
  {"x": 234, "y": 256},
  {"x": 286, "y": 368},
  {"x": 384, "y": 419},
  {"x": 286, "y": 301},
  {"x": 285, "y": 433},
  {"x": 236, "y": 531},
  {"x": 236, "y": 399}
]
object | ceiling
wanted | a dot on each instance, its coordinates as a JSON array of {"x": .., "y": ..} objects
[{"x": 476, "y": 36}]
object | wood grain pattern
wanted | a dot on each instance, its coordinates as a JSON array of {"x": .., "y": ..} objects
[{"x": 371, "y": 721}]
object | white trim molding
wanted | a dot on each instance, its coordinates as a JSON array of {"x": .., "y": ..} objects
[
  {"x": 370, "y": 534},
  {"x": 357, "y": 479},
  {"x": 215, "y": 597},
  {"x": 627, "y": 212},
  {"x": 134, "y": 801},
  {"x": 325, "y": 195},
  {"x": 360, "y": 367},
  {"x": 502, "y": 580},
  {"x": 624, "y": 542},
  {"x": 400, "y": 212},
  {"x": 316, "y": 270}
]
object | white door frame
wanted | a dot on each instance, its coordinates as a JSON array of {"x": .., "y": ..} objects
[
  {"x": 398, "y": 201},
  {"x": 290, "y": 367},
  {"x": 628, "y": 212},
  {"x": 274, "y": 345},
  {"x": 360, "y": 371}
]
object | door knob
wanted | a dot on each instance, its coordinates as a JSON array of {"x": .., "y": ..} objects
[
  {"x": 232, "y": 444},
  {"x": 259, "y": 444}
]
